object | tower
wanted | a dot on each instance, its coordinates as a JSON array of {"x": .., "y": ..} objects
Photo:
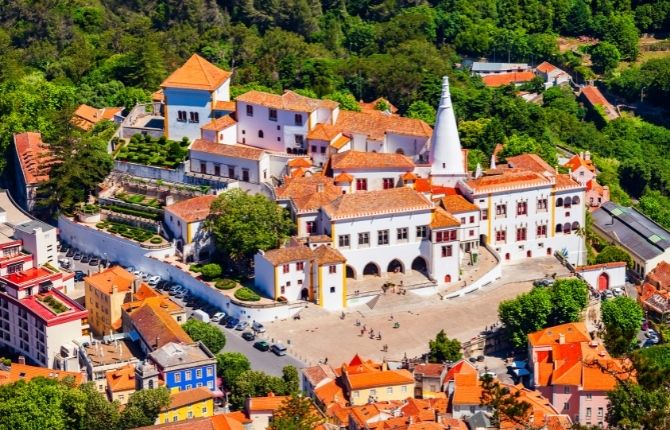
[{"x": 446, "y": 156}]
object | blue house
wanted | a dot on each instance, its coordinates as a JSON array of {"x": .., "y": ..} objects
[
  {"x": 185, "y": 366},
  {"x": 194, "y": 94}
]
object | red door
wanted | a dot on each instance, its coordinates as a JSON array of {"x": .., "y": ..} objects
[{"x": 603, "y": 281}]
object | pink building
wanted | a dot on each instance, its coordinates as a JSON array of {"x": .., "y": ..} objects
[
  {"x": 584, "y": 171},
  {"x": 567, "y": 368}
]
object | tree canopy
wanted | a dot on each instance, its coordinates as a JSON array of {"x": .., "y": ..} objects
[
  {"x": 621, "y": 317},
  {"x": 209, "y": 335},
  {"x": 444, "y": 349},
  {"x": 613, "y": 254}
]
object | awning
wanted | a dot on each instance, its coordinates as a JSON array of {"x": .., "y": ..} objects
[
  {"x": 522, "y": 364},
  {"x": 133, "y": 335},
  {"x": 520, "y": 372}
]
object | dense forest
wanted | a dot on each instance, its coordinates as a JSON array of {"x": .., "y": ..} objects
[{"x": 56, "y": 54}]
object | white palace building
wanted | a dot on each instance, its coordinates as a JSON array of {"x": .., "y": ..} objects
[{"x": 372, "y": 192}]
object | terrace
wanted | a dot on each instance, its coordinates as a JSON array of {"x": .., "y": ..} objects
[{"x": 160, "y": 152}]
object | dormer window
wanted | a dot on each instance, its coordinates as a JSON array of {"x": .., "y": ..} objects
[{"x": 272, "y": 114}]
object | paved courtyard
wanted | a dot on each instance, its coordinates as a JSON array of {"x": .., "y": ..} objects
[{"x": 319, "y": 334}]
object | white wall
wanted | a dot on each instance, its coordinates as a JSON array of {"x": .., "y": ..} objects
[
  {"x": 223, "y": 92},
  {"x": 411, "y": 146},
  {"x": 177, "y": 99},
  {"x": 43, "y": 245},
  {"x": 332, "y": 300},
  {"x": 617, "y": 276},
  {"x": 238, "y": 164},
  {"x": 277, "y": 135},
  {"x": 375, "y": 177}
]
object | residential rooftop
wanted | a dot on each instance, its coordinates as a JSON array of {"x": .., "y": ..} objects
[
  {"x": 192, "y": 210},
  {"x": 22, "y": 372},
  {"x": 35, "y": 157},
  {"x": 175, "y": 354},
  {"x": 290, "y": 101},
  {"x": 197, "y": 74},
  {"x": 372, "y": 203},
  {"x": 119, "y": 351}
]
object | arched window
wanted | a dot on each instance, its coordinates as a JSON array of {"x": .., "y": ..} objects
[
  {"x": 260, "y": 133},
  {"x": 566, "y": 228},
  {"x": 400, "y": 151},
  {"x": 575, "y": 200},
  {"x": 559, "y": 228},
  {"x": 559, "y": 202},
  {"x": 567, "y": 203},
  {"x": 575, "y": 226}
]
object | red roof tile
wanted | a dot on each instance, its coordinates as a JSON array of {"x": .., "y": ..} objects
[
  {"x": 219, "y": 124},
  {"x": 376, "y": 125},
  {"x": 35, "y": 157},
  {"x": 500, "y": 79},
  {"x": 227, "y": 150},
  {"x": 576, "y": 162},
  {"x": 197, "y": 74},
  {"x": 192, "y": 210},
  {"x": 367, "y": 203},
  {"x": 290, "y": 101},
  {"x": 356, "y": 160}
]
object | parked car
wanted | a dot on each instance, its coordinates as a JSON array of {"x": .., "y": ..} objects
[
  {"x": 248, "y": 336},
  {"x": 154, "y": 280},
  {"x": 64, "y": 263},
  {"x": 279, "y": 349},
  {"x": 79, "y": 276},
  {"x": 182, "y": 295},
  {"x": 241, "y": 325},
  {"x": 546, "y": 282},
  {"x": 258, "y": 327},
  {"x": 175, "y": 291},
  {"x": 85, "y": 259},
  {"x": 217, "y": 316},
  {"x": 130, "y": 269},
  {"x": 262, "y": 345},
  {"x": 200, "y": 316},
  {"x": 70, "y": 253},
  {"x": 618, "y": 292},
  {"x": 94, "y": 262},
  {"x": 77, "y": 256},
  {"x": 104, "y": 263},
  {"x": 607, "y": 294},
  {"x": 232, "y": 323}
]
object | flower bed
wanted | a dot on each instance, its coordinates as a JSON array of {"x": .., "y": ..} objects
[
  {"x": 130, "y": 232},
  {"x": 138, "y": 199},
  {"x": 225, "y": 284},
  {"x": 134, "y": 212},
  {"x": 53, "y": 304},
  {"x": 154, "y": 152},
  {"x": 247, "y": 295}
]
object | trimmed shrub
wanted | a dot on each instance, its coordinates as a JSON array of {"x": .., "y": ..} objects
[
  {"x": 156, "y": 240},
  {"x": 101, "y": 225},
  {"x": 211, "y": 271},
  {"x": 225, "y": 284},
  {"x": 247, "y": 295}
]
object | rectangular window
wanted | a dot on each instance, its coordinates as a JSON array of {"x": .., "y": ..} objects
[
  {"x": 343, "y": 240},
  {"x": 439, "y": 236},
  {"x": 177, "y": 377},
  {"x": 472, "y": 219},
  {"x": 286, "y": 268},
  {"x": 566, "y": 406},
  {"x": 501, "y": 236},
  {"x": 194, "y": 117},
  {"x": 541, "y": 205},
  {"x": 198, "y": 373},
  {"x": 600, "y": 412},
  {"x": 589, "y": 396},
  {"x": 311, "y": 227},
  {"x": 421, "y": 232},
  {"x": 501, "y": 211},
  {"x": 566, "y": 390},
  {"x": 323, "y": 149},
  {"x": 272, "y": 114},
  {"x": 388, "y": 183},
  {"x": 187, "y": 375},
  {"x": 364, "y": 239},
  {"x": 403, "y": 388},
  {"x": 299, "y": 140},
  {"x": 452, "y": 234},
  {"x": 401, "y": 234},
  {"x": 485, "y": 214},
  {"x": 181, "y": 116},
  {"x": 332, "y": 269},
  {"x": 314, "y": 149},
  {"x": 521, "y": 233},
  {"x": 382, "y": 237},
  {"x": 462, "y": 220},
  {"x": 300, "y": 265},
  {"x": 361, "y": 184},
  {"x": 298, "y": 119},
  {"x": 447, "y": 251},
  {"x": 541, "y": 231},
  {"x": 588, "y": 412},
  {"x": 389, "y": 390},
  {"x": 250, "y": 110},
  {"x": 522, "y": 208}
]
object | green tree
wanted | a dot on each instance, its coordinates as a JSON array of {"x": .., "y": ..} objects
[
  {"x": 208, "y": 334},
  {"x": 254, "y": 383},
  {"x": 444, "y": 349},
  {"x": 211, "y": 271},
  {"x": 613, "y": 254},
  {"x": 143, "y": 407},
  {"x": 525, "y": 314},
  {"x": 505, "y": 403},
  {"x": 605, "y": 57},
  {"x": 652, "y": 366},
  {"x": 620, "y": 30},
  {"x": 345, "y": 99},
  {"x": 242, "y": 224},
  {"x": 296, "y": 413},
  {"x": 231, "y": 365},
  {"x": 569, "y": 299},
  {"x": 291, "y": 379},
  {"x": 621, "y": 317},
  {"x": 421, "y": 110},
  {"x": 632, "y": 406}
]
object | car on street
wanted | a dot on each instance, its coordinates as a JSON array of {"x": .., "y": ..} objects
[
  {"x": 232, "y": 323},
  {"x": 617, "y": 292},
  {"x": 94, "y": 262},
  {"x": 248, "y": 336},
  {"x": 241, "y": 325},
  {"x": 69, "y": 253},
  {"x": 217, "y": 316},
  {"x": 262, "y": 345},
  {"x": 546, "y": 282},
  {"x": 79, "y": 276},
  {"x": 64, "y": 263},
  {"x": 607, "y": 294},
  {"x": 77, "y": 256},
  {"x": 85, "y": 259},
  {"x": 154, "y": 280},
  {"x": 258, "y": 327},
  {"x": 278, "y": 348}
]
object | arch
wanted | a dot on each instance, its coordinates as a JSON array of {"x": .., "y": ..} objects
[
  {"x": 447, "y": 279},
  {"x": 559, "y": 228},
  {"x": 419, "y": 264},
  {"x": 575, "y": 200},
  {"x": 566, "y": 228},
  {"x": 567, "y": 203},
  {"x": 304, "y": 294},
  {"x": 529, "y": 253},
  {"x": 371, "y": 269},
  {"x": 575, "y": 226},
  {"x": 351, "y": 273},
  {"x": 559, "y": 202},
  {"x": 395, "y": 266},
  {"x": 400, "y": 151},
  {"x": 603, "y": 281}
]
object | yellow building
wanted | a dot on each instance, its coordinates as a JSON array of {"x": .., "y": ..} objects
[
  {"x": 121, "y": 383},
  {"x": 105, "y": 292},
  {"x": 367, "y": 381},
  {"x": 187, "y": 404}
]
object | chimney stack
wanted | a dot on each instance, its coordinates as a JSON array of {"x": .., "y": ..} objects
[
  {"x": 21, "y": 359},
  {"x": 561, "y": 339}
]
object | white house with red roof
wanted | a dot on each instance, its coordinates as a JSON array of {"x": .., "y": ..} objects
[
  {"x": 357, "y": 171},
  {"x": 552, "y": 75},
  {"x": 584, "y": 171},
  {"x": 184, "y": 220}
]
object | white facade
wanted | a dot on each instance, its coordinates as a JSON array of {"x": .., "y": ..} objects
[
  {"x": 228, "y": 135},
  {"x": 374, "y": 179},
  {"x": 289, "y": 130},
  {"x": 243, "y": 169},
  {"x": 39, "y": 239},
  {"x": 603, "y": 276},
  {"x": 446, "y": 156}
]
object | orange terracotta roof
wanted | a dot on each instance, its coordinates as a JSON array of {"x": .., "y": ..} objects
[
  {"x": 443, "y": 219},
  {"x": 540, "y": 408},
  {"x": 572, "y": 332},
  {"x": 331, "y": 392},
  {"x": 356, "y": 160},
  {"x": 192, "y": 210},
  {"x": 183, "y": 398},
  {"x": 316, "y": 374},
  {"x": 592, "y": 184},
  {"x": 85, "y": 117},
  {"x": 500, "y": 79},
  {"x": 290, "y": 101},
  {"x": 35, "y": 157},
  {"x": 594, "y": 96},
  {"x": 160, "y": 300},
  {"x": 564, "y": 181},
  {"x": 467, "y": 390},
  {"x": 340, "y": 142},
  {"x": 457, "y": 204},
  {"x": 359, "y": 381},
  {"x": 508, "y": 179},
  {"x": 158, "y": 96},
  {"x": 308, "y": 193},
  {"x": 368, "y": 203},
  {"x": 546, "y": 67},
  {"x": 376, "y": 125},
  {"x": 344, "y": 178},
  {"x": 660, "y": 275},
  {"x": 122, "y": 379},
  {"x": 325, "y": 132},
  {"x": 558, "y": 422},
  {"x": 408, "y": 176},
  {"x": 153, "y": 323},
  {"x": 229, "y": 105},
  {"x": 227, "y": 150},
  {"x": 288, "y": 254},
  {"x": 115, "y": 276},
  {"x": 197, "y": 74},
  {"x": 576, "y": 162},
  {"x": 372, "y": 106},
  {"x": 432, "y": 370},
  {"x": 531, "y": 162},
  {"x": 327, "y": 255},
  {"x": 269, "y": 403},
  {"x": 300, "y": 162},
  {"x": 23, "y": 372},
  {"x": 220, "y": 123},
  {"x": 460, "y": 367},
  {"x": 600, "y": 266}
]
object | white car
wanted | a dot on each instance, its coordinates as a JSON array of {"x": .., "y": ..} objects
[
  {"x": 154, "y": 280},
  {"x": 218, "y": 316},
  {"x": 258, "y": 327},
  {"x": 618, "y": 292}
]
